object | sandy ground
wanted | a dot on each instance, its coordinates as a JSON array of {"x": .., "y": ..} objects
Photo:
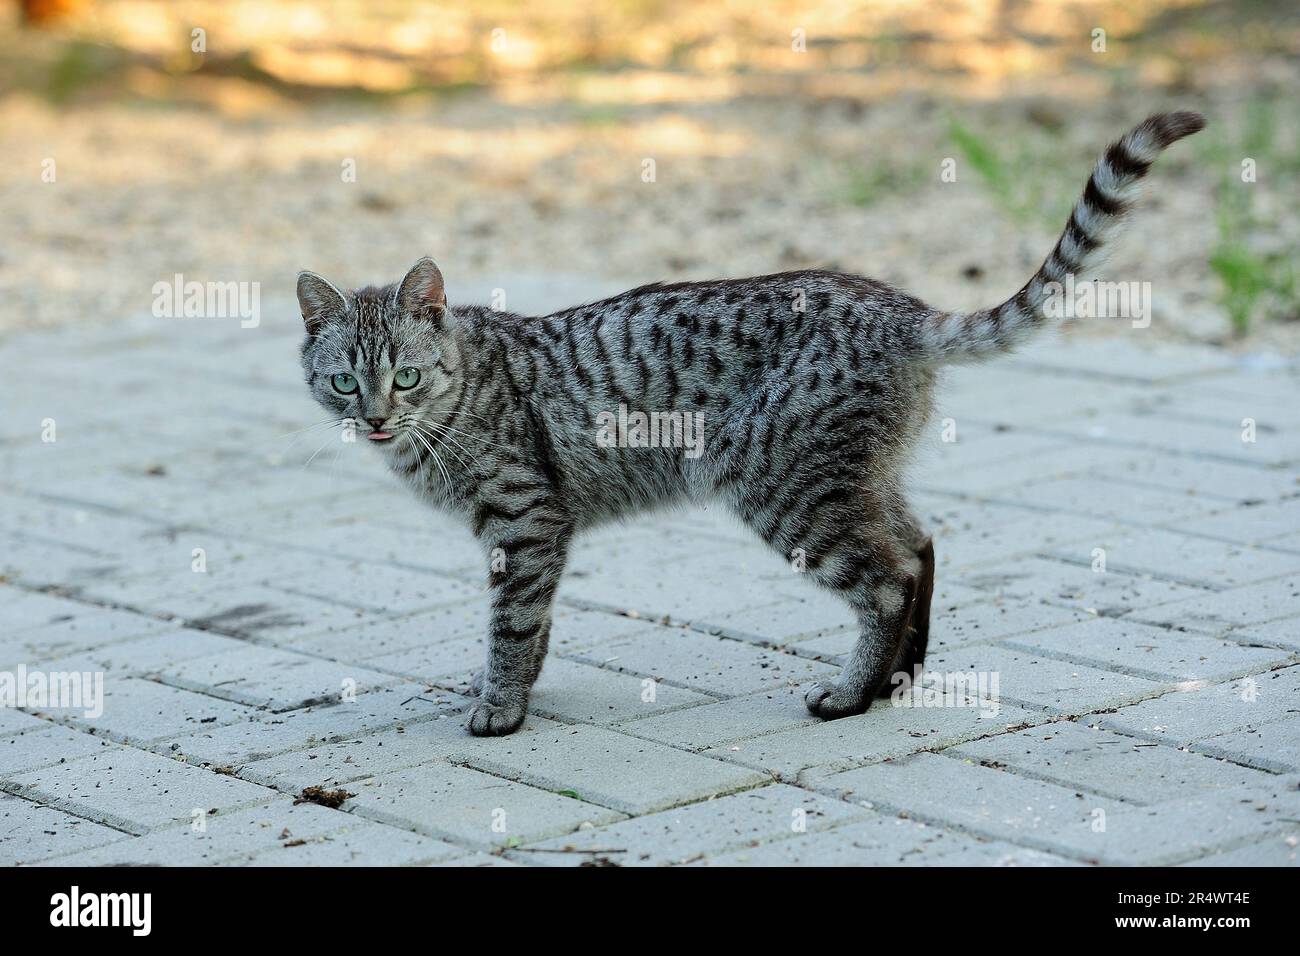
[{"x": 235, "y": 182}]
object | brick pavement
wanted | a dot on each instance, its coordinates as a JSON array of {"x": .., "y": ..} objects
[{"x": 1110, "y": 550}]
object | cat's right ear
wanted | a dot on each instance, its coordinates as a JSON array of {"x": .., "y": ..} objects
[
  {"x": 421, "y": 291},
  {"x": 319, "y": 301}
]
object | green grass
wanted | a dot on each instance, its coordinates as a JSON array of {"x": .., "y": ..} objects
[
  {"x": 1021, "y": 174},
  {"x": 980, "y": 155},
  {"x": 867, "y": 185},
  {"x": 81, "y": 66},
  {"x": 1253, "y": 285}
]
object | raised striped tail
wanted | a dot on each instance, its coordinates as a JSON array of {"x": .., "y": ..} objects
[{"x": 1111, "y": 191}]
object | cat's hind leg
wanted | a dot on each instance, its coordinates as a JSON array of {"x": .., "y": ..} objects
[
  {"x": 916, "y": 637},
  {"x": 847, "y": 541},
  {"x": 879, "y": 580}
]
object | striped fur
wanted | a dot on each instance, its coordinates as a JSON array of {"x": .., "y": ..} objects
[{"x": 813, "y": 387}]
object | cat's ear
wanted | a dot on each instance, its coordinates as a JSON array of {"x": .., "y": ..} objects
[
  {"x": 319, "y": 301},
  {"x": 421, "y": 291}
]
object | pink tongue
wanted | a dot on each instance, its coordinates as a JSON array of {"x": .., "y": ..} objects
[{"x": 379, "y": 436}]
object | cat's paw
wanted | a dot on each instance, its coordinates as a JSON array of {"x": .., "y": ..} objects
[
  {"x": 494, "y": 720},
  {"x": 829, "y": 700}
]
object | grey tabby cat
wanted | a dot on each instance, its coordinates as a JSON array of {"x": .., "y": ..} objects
[{"x": 813, "y": 386}]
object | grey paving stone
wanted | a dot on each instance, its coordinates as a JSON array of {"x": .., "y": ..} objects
[
  {"x": 220, "y": 837},
  {"x": 24, "y": 610},
  {"x": 1214, "y": 613},
  {"x": 1000, "y": 480},
  {"x": 384, "y": 709},
  {"x": 44, "y": 746},
  {"x": 1095, "y": 496},
  {"x": 977, "y": 623},
  {"x": 1077, "y": 588},
  {"x": 142, "y": 656},
  {"x": 1142, "y": 650},
  {"x": 1287, "y": 543},
  {"x": 974, "y": 546},
  {"x": 264, "y": 613},
  {"x": 344, "y": 759},
  {"x": 1271, "y": 405},
  {"x": 643, "y": 538},
  {"x": 995, "y": 461},
  {"x": 1274, "y": 746},
  {"x": 476, "y": 860},
  {"x": 991, "y": 853},
  {"x": 949, "y": 517},
  {"x": 387, "y": 589},
  {"x": 574, "y": 631},
  {"x": 1097, "y": 761},
  {"x": 1243, "y": 483},
  {"x": 1195, "y": 711},
  {"x": 348, "y": 641},
  {"x": 715, "y": 665},
  {"x": 35, "y": 562},
  {"x": 362, "y": 843},
  {"x": 15, "y": 722},
  {"x": 76, "y": 626},
  {"x": 138, "y": 711},
  {"x": 1043, "y": 684},
  {"x": 466, "y": 806},
  {"x": 683, "y": 834},
  {"x": 728, "y": 721},
  {"x": 588, "y": 694},
  {"x": 453, "y": 660},
  {"x": 885, "y": 840},
  {"x": 340, "y": 567},
  {"x": 1188, "y": 559},
  {"x": 1221, "y": 441},
  {"x": 1283, "y": 633},
  {"x": 800, "y": 613},
  {"x": 403, "y": 534},
  {"x": 1254, "y": 525},
  {"x": 996, "y": 619},
  {"x": 341, "y": 762},
  {"x": 980, "y": 800},
  {"x": 1278, "y": 850},
  {"x": 274, "y": 679},
  {"x": 612, "y": 769},
  {"x": 1196, "y": 826},
  {"x": 1120, "y": 358},
  {"x": 134, "y": 790},
  {"x": 30, "y": 832},
  {"x": 686, "y": 590},
  {"x": 884, "y": 732}
]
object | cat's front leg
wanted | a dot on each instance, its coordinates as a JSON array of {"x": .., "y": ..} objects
[{"x": 526, "y": 564}]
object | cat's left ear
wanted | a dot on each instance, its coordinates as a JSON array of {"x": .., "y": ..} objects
[
  {"x": 319, "y": 301},
  {"x": 421, "y": 292}
]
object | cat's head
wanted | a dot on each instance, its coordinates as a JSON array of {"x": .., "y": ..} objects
[{"x": 384, "y": 357}]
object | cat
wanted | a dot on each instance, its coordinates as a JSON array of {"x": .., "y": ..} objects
[{"x": 811, "y": 387}]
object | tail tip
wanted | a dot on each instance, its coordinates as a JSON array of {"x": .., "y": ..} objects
[{"x": 1168, "y": 128}]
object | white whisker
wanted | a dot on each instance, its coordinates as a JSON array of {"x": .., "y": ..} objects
[{"x": 419, "y": 424}]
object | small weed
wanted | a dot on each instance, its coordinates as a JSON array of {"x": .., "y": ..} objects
[
  {"x": 1020, "y": 176},
  {"x": 1253, "y": 284}
]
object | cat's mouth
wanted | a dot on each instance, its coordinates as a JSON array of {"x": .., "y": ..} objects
[{"x": 379, "y": 436}]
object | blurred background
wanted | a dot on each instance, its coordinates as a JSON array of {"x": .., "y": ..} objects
[{"x": 215, "y": 139}]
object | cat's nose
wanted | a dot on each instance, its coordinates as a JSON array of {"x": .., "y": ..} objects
[{"x": 375, "y": 423}]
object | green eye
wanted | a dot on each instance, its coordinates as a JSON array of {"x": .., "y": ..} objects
[
  {"x": 344, "y": 383},
  {"x": 407, "y": 377}
]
